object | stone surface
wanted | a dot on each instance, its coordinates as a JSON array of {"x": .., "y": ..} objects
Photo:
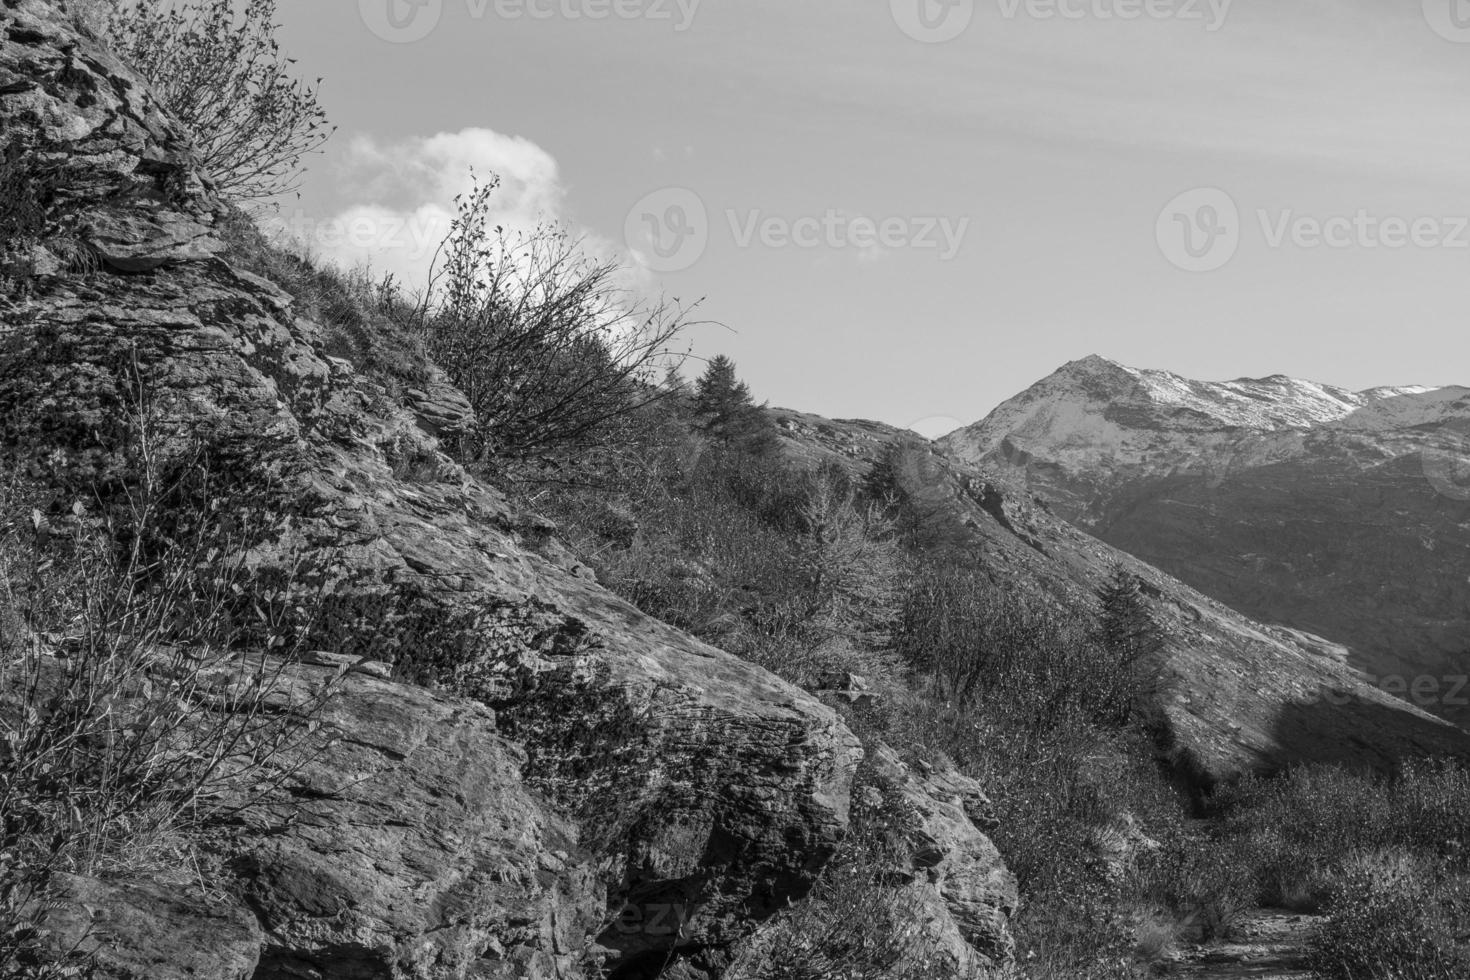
[
  {"x": 151, "y": 931},
  {"x": 407, "y": 845},
  {"x": 943, "y": 901},
  {"x": 951, "y": 859}
]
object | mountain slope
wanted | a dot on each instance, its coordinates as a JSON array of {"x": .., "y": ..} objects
[
  {"x": 1237, "y": 695},
  {"x": 1344, "y": 514}
]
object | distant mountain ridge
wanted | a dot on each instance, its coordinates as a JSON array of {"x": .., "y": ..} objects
[
  {"x": 1268, "y": 404},
  {"x": 1344, "y": 514}
]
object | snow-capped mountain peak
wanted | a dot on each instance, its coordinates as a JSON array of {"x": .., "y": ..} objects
[{"x": 1269, "y": 404}]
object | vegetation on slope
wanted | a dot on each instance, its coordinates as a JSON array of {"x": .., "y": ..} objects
[{"x": 686, "y": 503}]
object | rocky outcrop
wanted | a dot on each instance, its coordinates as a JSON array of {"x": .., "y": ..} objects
[
  {"x": 406, "y": 844},
  {"x": 390, "y": 835},
  {"x": 919, "y": 892},
  {"x": 1337, "y": 513},
  {"x": 953, "y": 868},
  {"x": 441, "y": 837}
]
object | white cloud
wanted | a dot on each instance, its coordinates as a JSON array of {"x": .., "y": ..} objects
[{"x": 405, "y": 193}]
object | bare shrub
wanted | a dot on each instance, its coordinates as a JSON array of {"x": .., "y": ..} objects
[
  {"x": 848, "y": 554},
  {"x": 141, "y": 667},
  {"x": 227, "y": 81},
  {"x": 1203, "y": 879},
  {"x": 973, "y": 636},
  {"x": 552, "y": 350}
]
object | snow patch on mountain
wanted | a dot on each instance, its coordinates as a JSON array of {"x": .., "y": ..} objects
[
  {"x": 1096, "y": 417},
  {"x": 1102, "y": 404}
]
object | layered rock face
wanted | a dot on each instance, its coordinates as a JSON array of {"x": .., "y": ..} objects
[
  {"x": 440, "y": 836},
  {"x": 403, "y": 843},
  {"x": 1235, "y": 695},
  {"x": 1341, "y": 514}
]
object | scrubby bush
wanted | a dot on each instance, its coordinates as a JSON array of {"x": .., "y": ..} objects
[
  {"x": 850, "y": 565},
  {"x": 225, "y": 78},
  {"x": 1396, "y": 915},
  {"x": 1294, "y": 830},
  {"x": 552, "y": 350},
  {"x": 974, "y": 636},
  {"x": 1202, "y": 879}
]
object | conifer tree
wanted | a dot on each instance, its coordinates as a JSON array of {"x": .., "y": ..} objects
[
  {"x": 1126, "y": 628},
  {"x": 726, "y": 411}
]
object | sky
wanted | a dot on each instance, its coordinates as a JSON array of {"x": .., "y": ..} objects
[{"x": 910, "y": 210}]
